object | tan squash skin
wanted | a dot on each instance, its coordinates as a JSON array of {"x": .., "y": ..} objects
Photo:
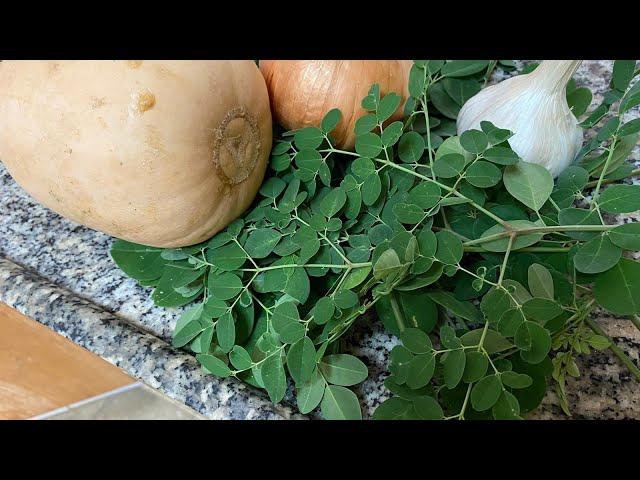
[
  {"x": 146, "y": 151},
  {"x": 303, "y": 91}
]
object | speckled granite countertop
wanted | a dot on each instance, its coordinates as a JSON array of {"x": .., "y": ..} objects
[{"x": 60, "y": 274}]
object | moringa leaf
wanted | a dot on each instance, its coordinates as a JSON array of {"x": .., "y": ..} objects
[
  {"x": 540, "y": 281},
  {"x": 597, "y": 255},
  {"x": 340, "y": 403},
  {"x": 529, "y": 183},
  {"x": 618, "y": 289}
]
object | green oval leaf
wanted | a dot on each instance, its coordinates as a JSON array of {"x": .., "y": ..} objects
[
  {"x": 368, "y": 145},
  {"x": 573, "y": 178},
  {"x": 286, "y": 322},
  {"x": 187, "y": 333},
  {"x": 516, "y": 380},
  {"x": 529, "y": 183},
  {"x": 274, "y": 377},
  {"x": 507, "y": 407},
  {"x": 620, "y": 199},
  {"x": 618, "y": 289},
  {"x": 463, "y": 68},
  {"x": 394, "y": 408},
  {"x": 323, "y": 310},
  {"x": 450, "y": 249},
  {"x": 597, "y": 255},
  {"x": 510, "y": 321},
  {"x": 494, "y": 303},
  {"x": 340, "y": 403},
  {"x": 138, "y": 261},
  {"x": 229, "y": 257},
  {"x": 486, "y": 393},
  {"x": 308, "y": 138},
  {"x": 623, "y": 71},
  {"x": 261, "y": 242},
  {"x": 411, "y": 147},
  {"x": 449, "y": 166},
  {"x": 365, "y": 124},
  {"x": 343, "y": 369},
  {"x": 301, "y": 360},
  {"x": 541, "y": 309},
  {"x": 426, "y": 195},
  {"x": 371, "y": 189},
  {"x": 391, "y": 134},
  {"x": 240, "y": 358},
  {"x": 333, "y": 202},
  {"x": 428, "y": 408},
  {"x": 474, "y": 141},
  {"x": 475, "y": 366},
  {"x": 416, "y": 340},
  {"x": 213, "y": 365},
  {"x": 226, "y": 332},
  {"x": 345, "y": 299},
  {"x": 420, "y": 370},
  {"x": 540, "y": 281},
  {"x": 501, "y": 156},
  {"x": 626, "y": 236},
  {"x": 331, "y": 120},
  {"x": 387, "y": 107},
  {"x": 387, "y": 264},
  {"x": 454, "y": 366},
  {"x": 483, "y": 174},
  {"x": 225, "y": 286},
  {"x": 534, "y": 342},
  {"x": 399, "y": 360},
  {"x": 309, "y": 394}
]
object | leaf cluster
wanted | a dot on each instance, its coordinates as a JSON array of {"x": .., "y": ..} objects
[{"x": 483, "y": 266}]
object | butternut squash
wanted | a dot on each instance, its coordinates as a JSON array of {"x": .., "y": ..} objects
[{"x": 162, "y": 153}]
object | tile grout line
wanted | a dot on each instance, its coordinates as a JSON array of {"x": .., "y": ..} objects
[{"x": 71, "y": 406}]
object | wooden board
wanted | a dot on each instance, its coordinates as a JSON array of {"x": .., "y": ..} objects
[{"x": 41, "y": 371}]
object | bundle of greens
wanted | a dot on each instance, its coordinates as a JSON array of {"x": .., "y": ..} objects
[{"x": 486, "y": 270}]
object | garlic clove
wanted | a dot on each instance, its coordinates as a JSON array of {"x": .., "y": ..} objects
[{"x": 534, "y": 107}]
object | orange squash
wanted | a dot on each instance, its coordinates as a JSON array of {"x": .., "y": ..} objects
[{"x": 162, "y": 153}]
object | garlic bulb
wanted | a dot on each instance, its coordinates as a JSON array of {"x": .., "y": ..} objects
[
  {"x": 303, "y": 91},
  {"x": 534, "y": 107}
]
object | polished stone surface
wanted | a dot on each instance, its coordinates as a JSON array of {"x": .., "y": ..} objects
[{"x": 60, "y": 274}]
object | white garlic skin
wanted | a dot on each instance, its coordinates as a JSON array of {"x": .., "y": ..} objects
[{"x": 534, "y": 107}]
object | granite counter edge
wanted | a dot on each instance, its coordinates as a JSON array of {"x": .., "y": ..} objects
[{"x": 140, "y": 354}]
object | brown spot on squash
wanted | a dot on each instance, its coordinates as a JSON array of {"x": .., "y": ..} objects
[
  {"x": 54, "y": 68},
  {"x": 134, "y": 63},
  {"x": 141, "y": 102},
  {"x": 146, "y": 101},
  {"x": 98, "y": 102}
]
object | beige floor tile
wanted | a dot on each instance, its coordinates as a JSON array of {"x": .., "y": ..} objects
[
  {"x": 41, "y": 371},
  {"x": 138, "y": 402}
]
